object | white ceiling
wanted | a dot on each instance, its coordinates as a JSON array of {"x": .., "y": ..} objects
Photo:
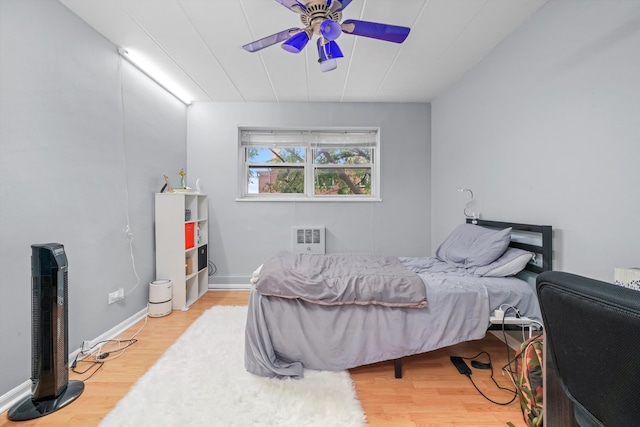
[{"x": 198, "y": 43}]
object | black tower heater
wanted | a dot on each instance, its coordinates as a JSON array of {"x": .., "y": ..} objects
[{"x": 51, "y": 388}]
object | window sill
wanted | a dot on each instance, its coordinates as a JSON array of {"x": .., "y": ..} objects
[{"x": 309, "y": 199}]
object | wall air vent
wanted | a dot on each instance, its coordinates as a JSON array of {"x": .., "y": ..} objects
[{"x": 308, "y": 240}]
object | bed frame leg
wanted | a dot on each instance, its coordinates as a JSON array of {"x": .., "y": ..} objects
[{"x": 397, "y": 364}]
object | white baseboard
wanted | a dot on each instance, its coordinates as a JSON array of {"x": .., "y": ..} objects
[
  {"x": 228, "y": 286},
  {"x": 23, "y": 390},
  {"x": 15, "y": 395}
]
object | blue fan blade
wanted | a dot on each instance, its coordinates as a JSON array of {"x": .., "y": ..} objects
[
  {"x": 269, "y": 40},
  {"x": 343, "y": 4},
  {"x": 374, "y": 30},
  {"x": 293, "y": 5}
]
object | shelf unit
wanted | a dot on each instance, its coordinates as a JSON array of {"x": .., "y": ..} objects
[{"x": 182, "y": 245}]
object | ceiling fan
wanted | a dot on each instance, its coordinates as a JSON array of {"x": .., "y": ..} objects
[{"x": 322, "y": 17}]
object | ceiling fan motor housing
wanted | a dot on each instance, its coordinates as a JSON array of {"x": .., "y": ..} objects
[{"x": 318, "y": 11}]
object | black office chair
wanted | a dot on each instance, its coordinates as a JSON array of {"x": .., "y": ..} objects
[{"x": 593, "y": 329}]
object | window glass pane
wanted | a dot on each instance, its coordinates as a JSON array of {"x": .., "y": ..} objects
[
  {"x": 341, "y": 181},
  {"x": 306, "y": 163},
  {"x": 278, "y": 180},
  {"x": 275, "y": 154},
  {"x": 344, "y": 155}
]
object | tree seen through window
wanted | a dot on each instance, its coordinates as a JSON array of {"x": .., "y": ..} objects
[{"x": 337, "y": 171}]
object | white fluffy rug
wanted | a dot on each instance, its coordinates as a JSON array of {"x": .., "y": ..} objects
[{"x": 201, "y": 381}]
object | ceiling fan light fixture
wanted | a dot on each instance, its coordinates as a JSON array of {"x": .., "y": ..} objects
[
  {"x": 328, "y": 49},
  {"x": 328, "y": 65},
  {"x": 296, "y": 43},
  {"x": 330, "y": 29}
]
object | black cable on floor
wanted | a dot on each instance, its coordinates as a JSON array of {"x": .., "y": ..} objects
[{"x": 490, "y": 366}]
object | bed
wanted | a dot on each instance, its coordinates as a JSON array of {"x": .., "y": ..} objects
[{"x": 295, "y": 323}]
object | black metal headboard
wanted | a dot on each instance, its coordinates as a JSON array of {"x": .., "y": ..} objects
[{"x": 544, "y": 233}]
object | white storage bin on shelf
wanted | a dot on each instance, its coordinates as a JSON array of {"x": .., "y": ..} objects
[{"x": 181, "y": 237}]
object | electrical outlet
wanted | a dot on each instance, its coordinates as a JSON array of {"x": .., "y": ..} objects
[
  {"x": 116, "y": 296},
  {"x": 86, "y": 345},
  {"x": 113, "y": 297}
]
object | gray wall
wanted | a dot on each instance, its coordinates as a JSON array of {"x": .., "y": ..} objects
[
  {"x": 243, "y": 234},
  {"x": 71, "y": 174},
  {"x": 547, "y": 130}
]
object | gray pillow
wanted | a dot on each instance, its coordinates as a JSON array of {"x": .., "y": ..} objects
[
  {"x": 470, "y": 245},
  {"x": 510, "y": 263}
]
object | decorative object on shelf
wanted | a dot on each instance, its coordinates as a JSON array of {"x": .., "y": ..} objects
[
  {"x": 167, "y": 185},
  {"x": 182, "y": 174},
  {"x": 187, "y": 214},
  {"x": 198, "y": 189},
  {"x": 627, "y": 277},
  {"x": 183, "y": 184}
]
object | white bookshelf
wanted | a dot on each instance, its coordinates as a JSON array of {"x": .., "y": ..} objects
[{"x": 178, "y": 245}]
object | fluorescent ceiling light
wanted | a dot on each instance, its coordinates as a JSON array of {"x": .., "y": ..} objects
[{"x": 154, "y": 74}]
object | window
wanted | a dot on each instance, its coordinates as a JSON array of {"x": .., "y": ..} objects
[{"x": 322, "y": 164}]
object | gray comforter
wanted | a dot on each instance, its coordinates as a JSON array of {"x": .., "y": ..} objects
[
  {"x": 341, "y": 279},
  {"x": 284, "y": 336}
]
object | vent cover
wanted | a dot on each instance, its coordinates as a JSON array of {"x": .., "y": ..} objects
[{"x": 308, "y": 240}]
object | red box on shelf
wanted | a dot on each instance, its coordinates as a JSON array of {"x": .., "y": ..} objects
[{"x": 189, "y": 229}]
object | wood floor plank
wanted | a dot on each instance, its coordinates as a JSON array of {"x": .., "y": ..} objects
[{"x": 431, "y": 393}]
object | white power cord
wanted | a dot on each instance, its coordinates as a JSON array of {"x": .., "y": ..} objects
[{"x": 128, "y": 236}]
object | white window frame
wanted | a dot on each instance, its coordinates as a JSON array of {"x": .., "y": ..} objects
[{"x": 308, "y": 139}]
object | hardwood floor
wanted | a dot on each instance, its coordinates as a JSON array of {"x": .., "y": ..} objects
[{"x": 431, "y": 393}]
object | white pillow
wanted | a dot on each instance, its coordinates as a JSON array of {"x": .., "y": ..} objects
[{"x": 512, "y": 262}]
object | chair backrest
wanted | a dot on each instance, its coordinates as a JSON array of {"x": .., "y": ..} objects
[{"x": 593, "y": 329}]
